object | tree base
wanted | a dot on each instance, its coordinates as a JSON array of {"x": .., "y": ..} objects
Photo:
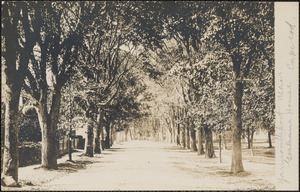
[
  {"x": 8, "y": 181},
  {"x": 237, "y": 168}
]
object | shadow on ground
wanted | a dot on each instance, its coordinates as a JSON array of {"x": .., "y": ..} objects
[{"x": 74, "y": 166}]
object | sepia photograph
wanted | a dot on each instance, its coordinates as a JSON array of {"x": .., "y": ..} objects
[{"x": 149, "y": 95}]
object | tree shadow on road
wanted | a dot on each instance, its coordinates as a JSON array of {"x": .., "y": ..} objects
[{"x": 74, "y": 166}]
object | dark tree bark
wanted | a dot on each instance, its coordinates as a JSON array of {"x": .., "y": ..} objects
[
  {"x": 236, "y": 163},
  {"x": 182, "y": 131},
  {"x": 193, "y": 137},
  {"x": 209, "y": 147},
  {"x": 98, "y": 132},
  {"x": 112, "y": 132},
  {"x": 224, "y": 141},
  {"x": 107, "y": 138},
  {"x": 48, "y": 123},
  {"x": 200, "y": 141},
  {"x": 178, "y": 127},
  {"x": 187, "y": 135},
  {"x": 161, "y": 138},
  {"x": 251, "y": 142},
  {"x": 90, "y": 143},
  {"x": 187, "y": 129},
  {"x": 178, "y": 134},
  {"x": 270, "y": 139},
  {"x": 11, "y": 153},
  {"x": 173, "y": 130},
  {"x": 172, "y": 121},
  {"x": 220, "y": 148},
  {"x": 13, "y": 68},
  {"x": 248, "y": 137}
]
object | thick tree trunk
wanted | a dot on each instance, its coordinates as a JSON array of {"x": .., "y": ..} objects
[
  {"x": 13, "y": 67},
  {"x": 48, "y": 124},
  {"x": 54, "y": 118},
  {"x": 98, "y": 132},
  {"x": 11, "y": 153},
  {"x": 236, "y": 163},
  {"x": 200, "y": 142},
  {"x": 193, "y": 140},
  {"x": 209, "y": 147},
  {"x": 270, "y": 139}
]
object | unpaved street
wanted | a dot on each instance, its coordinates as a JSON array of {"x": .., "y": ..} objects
[
  {"x": 135, "y": 165},
  {"x": 145, "y": 165},
  {"x": 141, "y": 165}
]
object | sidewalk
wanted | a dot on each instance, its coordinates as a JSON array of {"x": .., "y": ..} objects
[{"x": 34, "y": 175}]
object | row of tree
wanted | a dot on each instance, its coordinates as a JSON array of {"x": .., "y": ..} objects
[
  {"x": 220, "y": 57},
  {"x": 87, "y": 56},
  {"x": 83, "y": 50}
]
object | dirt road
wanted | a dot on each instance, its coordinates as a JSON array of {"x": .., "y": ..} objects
[{"x": 145, "y": 165}]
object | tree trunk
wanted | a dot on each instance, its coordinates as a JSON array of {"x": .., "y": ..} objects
[
  {"x": 172, "y": 122},
  {"x": 178, "y": 134},
  {"x": 102, "y": 136},
  {"x": 187, "y": 136},
  {"x": 126, "y": 134},
  {"x": 200, "y": 142},
  {"x": 54, "y": 118},
  {"x": 161, "y": 135},
  {"x": 107, "y": 138},
  {"x": 193, "y": 137},
  {"x": 90, "y": 141},
  {"x": 13, "y": 72},
  {"x": 220, "y": 150},
  {"x": 178, "y": 125},
  {"x": 48, "y": 124},
  {"x": 182, "y": 131},
  {"x": 270, "y": 139},
  {"x": 174, "y": 130},
  {"x": 251, "y": 142},
  {"x": 70, "y": 146},
  {"x": 13, "y": 69},
  {"x": 98, "y": 132},
  {"x": 224, "y": 141},
  {"x": 11, "y": 152},
  {"x": 209, "y": 147},
  {"x": 171, "y": 132},
  {"x": 248, "y": 137},
  {"x": 236, "y": 163},
  {"x": 111, "y": 135}
]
